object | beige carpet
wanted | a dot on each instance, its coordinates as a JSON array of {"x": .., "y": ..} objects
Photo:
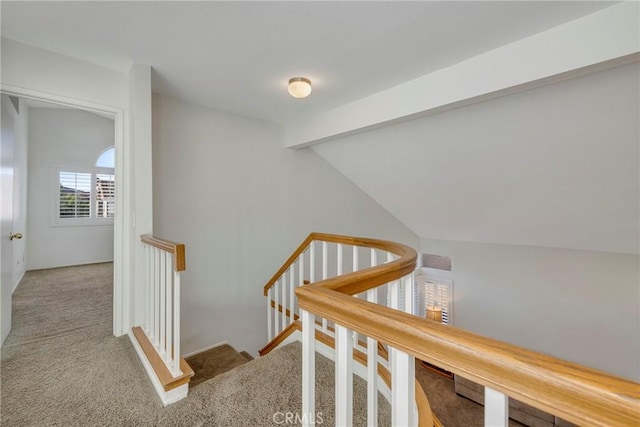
[
  {"x": 60, "y": 366},
  {"x": 252, "y": 394}
]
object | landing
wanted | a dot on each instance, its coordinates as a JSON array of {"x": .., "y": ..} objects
[{"x": 262, "y": 392}]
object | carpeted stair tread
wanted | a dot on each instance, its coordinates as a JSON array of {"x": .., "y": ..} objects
[
  {"x": 253, "y": 393},
  {"x": 62, "y": 366},
  {"x": 246, "y": 355},
  {"x": 213, "y": 362}
]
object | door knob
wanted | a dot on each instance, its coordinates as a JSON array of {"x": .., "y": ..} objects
[{"x": 15, "y": 236}]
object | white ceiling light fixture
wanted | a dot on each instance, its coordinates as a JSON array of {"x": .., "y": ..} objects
[{"x": 299, "y": 87}]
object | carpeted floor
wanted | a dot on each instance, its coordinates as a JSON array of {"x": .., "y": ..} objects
[
  {"x": 61, "y": 366},
  {"x": 254, "y": 393}
]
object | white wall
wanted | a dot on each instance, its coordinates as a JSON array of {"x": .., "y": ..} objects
[
  {"x": 34, "y": 72},
  {"x": 20, "y": 192},
  {"x": 225, "y": 186},
  {"x": 63, "y": 137},
  {"x": 141, "y": 196},
  {"x": 32, "y": 68},
  {"x": 580, "y": 306}
]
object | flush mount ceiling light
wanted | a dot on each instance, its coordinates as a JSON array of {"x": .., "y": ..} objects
[{"x": 299, "y": 87}]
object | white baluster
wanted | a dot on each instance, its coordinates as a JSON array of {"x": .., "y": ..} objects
[
  {"x": 308, "y": 368},
  {"x": 269, "y": 314},
  {"x": 292, "y": 285},
  {"x": 407, "y": 293},
  {"x": 355, "y": 267},
  {"x": 170, "y": 350},
  {"x": 344, "y": 376},
  {"x": 325, "y": 269},
  {"x": 339, "y": 272},
  {"x": 325, "y": 260},
  {"x": 156, "y": 298},
  {"x": 163, "y": 290},
  {"x": 402, "y": 388},
  {"x": 276, "y": 318},
  {"x": 312, "y": 262},
  {"x": 300, "y": 280},
  {"x": 392, "y": 295},
  {"x": 151, "y": 293},
  {"x": 374, "y": 262},
  {"x": 147, "y": 291},
  {"x": 170, "y": 323},
  {"x": 496, "y": 408},
  {"x": 391, "y": 289},
  {"x": 372, "y": 369},
  {"x": 176, "y": 323},
  {"x": 283, "y": 314}
]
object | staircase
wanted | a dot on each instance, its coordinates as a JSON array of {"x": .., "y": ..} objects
[
  {"x": 157, "y": 342},
  {"x": 360, "y": 297},
  {"x": 264, "y": 392},
  {"x": 341, "y": 347},
  {"x": 216, "y": 361}
]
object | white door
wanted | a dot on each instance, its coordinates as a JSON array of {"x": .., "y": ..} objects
[{"x": 6, "y": 214}]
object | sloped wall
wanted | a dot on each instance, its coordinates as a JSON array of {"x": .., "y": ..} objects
[
  {"x": 557, "y": 166},
  {"x": 225, "y": 186},
  {"x": 535, "y": 197}
]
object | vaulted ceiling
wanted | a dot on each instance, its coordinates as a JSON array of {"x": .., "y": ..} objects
[
  {"x": 556, "y": 166},
  {"x": 551, "y": 159},
  {"x": 237, "y": 56}
]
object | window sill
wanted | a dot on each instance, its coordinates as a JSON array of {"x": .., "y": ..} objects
[{"x": 89, "y": 222}]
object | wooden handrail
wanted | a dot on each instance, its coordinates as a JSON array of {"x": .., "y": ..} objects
[
  {"x": 578, "y": 394},
  {"x": 177, "y": 249},
  {"x": 360, "y": 281},
  {"x": 294, "y": 256}
]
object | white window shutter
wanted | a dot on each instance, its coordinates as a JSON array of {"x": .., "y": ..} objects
[{"x": 74, "y": 196}]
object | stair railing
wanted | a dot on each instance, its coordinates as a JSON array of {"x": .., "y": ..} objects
[
  {"x": 164, "y": 261},
  {"x": 157, "y": 342},
  {"x": 322, "y": 257},
  {"x": 576, "y": 393}
]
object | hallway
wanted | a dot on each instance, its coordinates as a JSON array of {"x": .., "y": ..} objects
[{"x": 61, "y": 361}]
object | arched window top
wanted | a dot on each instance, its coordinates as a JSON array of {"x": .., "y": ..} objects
[{"x": 107, "y": 159}]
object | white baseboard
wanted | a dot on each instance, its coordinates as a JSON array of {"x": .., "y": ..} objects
[
  {"x": 202, "y": 350},
  {"x": 167, "y": 397},
  {"x": 15, "y": 285},
  {"x": 48, "y": 267}
]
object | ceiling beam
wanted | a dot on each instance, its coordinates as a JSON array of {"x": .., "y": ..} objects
[{"x": 605, "y": 39}]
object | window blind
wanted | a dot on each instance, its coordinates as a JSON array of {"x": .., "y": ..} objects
[
  {"x": 74, "y": 194},
  {"x": 105, "y": 195}
]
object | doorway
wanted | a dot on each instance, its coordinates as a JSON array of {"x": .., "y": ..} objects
[
  {"x": 11, "y": 130},
  {"x": 106, "y": 205}
]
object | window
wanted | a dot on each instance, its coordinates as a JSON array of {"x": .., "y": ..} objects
[
  {"x": 434, "y": 287},
  {"x": 105, "y": 195},
  {"x": 107, "y": 159},
  {"x": 86, "y": 196},
  {"x": 75, "y": 194}
]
